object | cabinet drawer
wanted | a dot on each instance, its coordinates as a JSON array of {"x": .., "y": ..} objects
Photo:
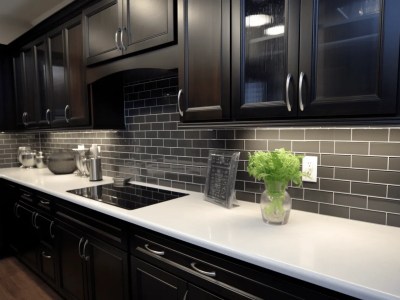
[
  {"x": 98, "y": 225},
  {"x": 219, "y": 274}
]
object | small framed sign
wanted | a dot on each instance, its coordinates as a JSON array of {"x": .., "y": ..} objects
[{"x": 221, "y": 177}]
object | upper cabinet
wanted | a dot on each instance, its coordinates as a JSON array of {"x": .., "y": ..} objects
[
  {"x": 303, "y": 60},
  {"x": 49, "y": 82},
  {"x": 118, "y": 27},
  {"x": 204, "y": 72}
]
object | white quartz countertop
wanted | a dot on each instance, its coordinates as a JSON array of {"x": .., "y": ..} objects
[{"x": 356, "y": 258}]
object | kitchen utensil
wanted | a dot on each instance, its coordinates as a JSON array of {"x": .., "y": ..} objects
[
  {"x": 95, "y": 173},
  {"x": 62, "y": 162}
]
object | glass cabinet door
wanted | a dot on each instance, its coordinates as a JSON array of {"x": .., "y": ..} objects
[
  {"x": 265, "y": 53},
  {"x": 345, "y": 57}
]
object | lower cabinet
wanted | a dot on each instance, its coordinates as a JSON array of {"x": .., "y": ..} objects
[{"x": 89, "y": 268}]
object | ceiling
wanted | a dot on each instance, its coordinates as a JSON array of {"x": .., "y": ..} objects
[{"x": 18, "y": 16}]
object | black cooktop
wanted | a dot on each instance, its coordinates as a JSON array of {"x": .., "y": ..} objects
[{"x": 129, "y": 196}]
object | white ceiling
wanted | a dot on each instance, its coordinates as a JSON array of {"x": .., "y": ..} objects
[{"x": 18, "y": 16}]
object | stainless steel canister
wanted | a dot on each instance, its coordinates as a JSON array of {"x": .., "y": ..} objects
[{"x": 95, "y": 173}]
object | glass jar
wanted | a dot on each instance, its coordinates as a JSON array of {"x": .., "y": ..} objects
[{"x": 275, "y": 203}]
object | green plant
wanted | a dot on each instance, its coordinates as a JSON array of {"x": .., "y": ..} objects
[{"x": 275, "y": 166}]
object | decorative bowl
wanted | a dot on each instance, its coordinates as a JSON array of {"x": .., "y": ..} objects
[{"x": 62, "y": 162}]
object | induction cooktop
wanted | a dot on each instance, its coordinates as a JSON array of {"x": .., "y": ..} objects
[{"x": 128, "y": 196}]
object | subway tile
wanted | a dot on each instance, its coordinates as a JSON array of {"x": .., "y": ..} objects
[
  {"x": 351, "y": 147},
  {"x": 305, "y": 205},
  {"x": 383, "y": 204},
  {"x": 200, "y": 143},
  {"x": 394, "y": 163},
  {"x": 334, "y": 210},
  {"x": 274, "y": 144},
  {"x": 254, "y": 187},
  {"x": 185, "y": 143},
  {"x": 334, "y": 185},
  {"x": 370, "y": 134},
  {"x": 327, "y": 147},
  {"x": 193, "y": 187},
  {"x": 318, "y": 196},
  {"x": 393, "y": 220},
  {"x": 328, "y": 134},
  {"x": 178, "y": 185},
  {"x": 350, "y": 200},
  {"x": 369, "y": 189},
  {"x": 305, "y": 147},
  {"x": 225, "y": 134},
  {"x": 368, "y": 216},
  {"x": 235, "y": 144},
  {"x": 351, "y": 174},
  {"x": 208, "y": 134},
  {"x": 389, "y": 177},
  {"x": 218, "y": 144},
  {"x": 291, "y": 134},
  {"x": 189, "y": 134},
  {"x": 325, "y": 172},
  {"x": 246, "y": 134},
  {"x": 296, "y": 192},
  {"x": 178, "y": 134},
  {"x": 394, "y": 135},
  {"x": 369, "y": 162},
  {"x": 385, "y": 149},
  {"x": 266, "y": 134},
  {"x": 255, "y": 145},
  {"x": 394, "y": 192},
  {"x": 336, "y": 160},
  {"x": 246, "y": 196}
]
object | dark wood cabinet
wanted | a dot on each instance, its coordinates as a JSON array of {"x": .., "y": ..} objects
[
  {"x": 118, "y": 27},
  {"x": 329, "y": 59},
  {"x": 49, "y": 80},
  {"x": 204, "y": 72},
  {"x": 90, "y": 267}
]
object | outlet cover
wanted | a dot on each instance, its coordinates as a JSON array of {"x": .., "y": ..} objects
[{"x": 310, "y": 165}]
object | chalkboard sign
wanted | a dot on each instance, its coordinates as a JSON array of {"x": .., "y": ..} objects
[{"x": 221, "y": 177}]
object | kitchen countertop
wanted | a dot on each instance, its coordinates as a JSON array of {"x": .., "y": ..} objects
[{"x": 352, "y": 257}]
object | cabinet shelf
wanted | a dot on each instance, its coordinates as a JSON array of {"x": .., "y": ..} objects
[
  {"x": 349, "y": 21},
  {"x": 351, "y": 40},
  {"x": 266, "y": 38}
]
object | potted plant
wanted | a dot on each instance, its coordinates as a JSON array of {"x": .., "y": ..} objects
[{"x": 276, "y": 168}]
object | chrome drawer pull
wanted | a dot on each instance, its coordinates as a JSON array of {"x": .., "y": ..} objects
[
  {"x": 86, "y": 257},
  {"x": 44, "y": 202},
  {"x": 301, "y": 82},
  {"x": 288, "y": 81},
  {"x": 210, "y": 274},
  {"x": 79, "y": 248},
  {"x": 51, "y": 230},
  {"x": 46, "y": 255},
  {"x": 154, "y": 251},
  {"x": 179, "y": 102}
]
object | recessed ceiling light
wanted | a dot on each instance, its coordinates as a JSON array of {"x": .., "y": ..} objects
[{"x": 275, "y": 30}]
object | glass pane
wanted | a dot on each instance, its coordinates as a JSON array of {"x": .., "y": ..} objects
[
  {"x": 348, "y": 48},
  {"x": 265, "y": 57},
  {"x": 41, "y": 72},
  {"x": 58, "y": 76}
]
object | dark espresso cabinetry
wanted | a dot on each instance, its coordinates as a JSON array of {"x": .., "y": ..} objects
[
  {"x": 290, "y": 61},
  {"x": 49, "y": 82},
  {"x": 119, "y": 27}
]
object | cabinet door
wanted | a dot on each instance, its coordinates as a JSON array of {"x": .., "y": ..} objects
[
  {"x": 108, "y": 271},
  {"x": 71, "y": 266},
  {"x": 147, "y": 24},
  {"x": 349, "y": 57},
  {"x": 204, "y": 73},
  {"x": 264, "y": 58},
  {"x": 42, "y": 101},
  {"x": 103, "y": 28},
  {"x": 57, "y": 77},
  {"x": 78, "y": 106},
  {"x": 149, "y": 282},
  {"x": 196, "y": 293}
]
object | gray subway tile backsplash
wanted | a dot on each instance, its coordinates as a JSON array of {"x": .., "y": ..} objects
[{"x": 358, "y": 168}]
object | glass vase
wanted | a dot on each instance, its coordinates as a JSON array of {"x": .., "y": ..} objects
[{"x": 275, "y": 203}]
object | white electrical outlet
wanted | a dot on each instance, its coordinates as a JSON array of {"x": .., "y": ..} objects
[{"x": 310, "y": 164}]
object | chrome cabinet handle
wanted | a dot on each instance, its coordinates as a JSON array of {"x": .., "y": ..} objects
[
  {"x": 86, "y": 257},
  {"x": 288, "y": 81},
  {"x": 301, "y": 81},
  {"x": 116, "y": 38},
  {"x": 44, "y": 202},
  {"x": 46, "y": 255},
  {"x": 16, "y": 206},
  {"x": 66, "y": 113},
  {"x": 210, "y": 274},
  {"x": 123, "y": 47},
  {"x": 34, "y": 217},
  {"x": 79, "y": 247},
  {"x": 179, "y": 102},
  {"x": 161, "y": 253},
  {"x": 51, "y": 229},
  {"x": 48, "y": 112},
  {"x": 185, "y": 296},
  {"x": 25, "y": 118}
]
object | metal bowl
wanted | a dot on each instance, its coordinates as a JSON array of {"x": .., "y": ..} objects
[
  {"x": 62, "y": 162},
  {"x": 28, "y": 158}
]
